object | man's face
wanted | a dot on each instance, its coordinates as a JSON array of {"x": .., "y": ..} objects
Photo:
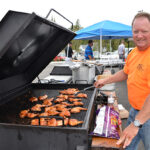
[
  {"x": 91, "y": 44},
  {"x": 141, "y": 33},
  {"x": 70, "y": 45}
]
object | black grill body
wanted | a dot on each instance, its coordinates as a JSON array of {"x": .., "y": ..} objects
[
  {"x": 28, "y": 44},
  {"x": 19, "y": 134}
]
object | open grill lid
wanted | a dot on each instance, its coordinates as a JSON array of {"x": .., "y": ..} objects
[{"x": 28, "y": 44}]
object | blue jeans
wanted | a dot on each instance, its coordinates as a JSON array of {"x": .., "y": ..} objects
[{"x": 143, "y": 134}]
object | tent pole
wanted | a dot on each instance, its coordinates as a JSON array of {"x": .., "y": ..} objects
[
  {"x": 100, "y": 45},
  {"x": 110, "y": 45}
]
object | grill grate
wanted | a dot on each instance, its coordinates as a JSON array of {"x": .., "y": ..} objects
[{"x": 10, "y": 111}]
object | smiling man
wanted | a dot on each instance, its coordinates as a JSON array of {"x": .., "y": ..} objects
[{"x": 137, "y": 73}]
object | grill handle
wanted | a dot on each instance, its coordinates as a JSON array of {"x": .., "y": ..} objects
[
  {"x": 60, "y": 15},
  {"x": 76, "y": 81}
]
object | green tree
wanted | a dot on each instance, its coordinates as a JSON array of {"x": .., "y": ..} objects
[{"x": 76, "y": 43}]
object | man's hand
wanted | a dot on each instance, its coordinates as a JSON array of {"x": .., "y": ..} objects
[
  {"x": 99, "y": 83},
  {"x": 128, "y": 134}
]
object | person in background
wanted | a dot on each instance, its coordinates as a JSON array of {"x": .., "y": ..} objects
[
  {"x": 68, "y": 50},
  {"x": 88, "y": 51},
  {"x": 137, "y": 73},
  {"x": 121, "y": 51}
]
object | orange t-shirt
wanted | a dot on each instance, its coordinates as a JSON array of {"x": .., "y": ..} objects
[{"x": 138, "y": 69}]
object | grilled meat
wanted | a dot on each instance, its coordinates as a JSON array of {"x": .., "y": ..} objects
[
  {"x": 43, "y": 97},
  {"x": 47, "y": 102},
  {"x": 65, "y": 113},
  {"x": 67, "y": 104},
  {"x": 58, "y": 100},
  {"x": 77, "y": 109},
  {"x": 52, "y": 122},
  {"x": 35, "y": 122},
  {"x": 74, "y": 99},
  {"x": 43, "y": 114},
  {"x": 43, "y": 122},
  {"x": 23, "y": 113},
  {"x": 31, "y": 115},
  {"x": 82, "y": 95},
  {"x": 71, "y": 96},
  {"x": 69, "y": 91},
  {"x": 78, "y": 103},
  {"x": 52, "y": 108},
  {"x": 52, "y": 112},
  {"x": 66, "y": 121},
  {"x": 74, "y": 122},
  {"x": 60, "y": 105},
  {"x": 37, "y": 107},
  {"x": 33, "y": 99},
  {"x": 59, "y": 122},
  {"x": 62, "y": 109},
  {"x": 63, "y": 96}
]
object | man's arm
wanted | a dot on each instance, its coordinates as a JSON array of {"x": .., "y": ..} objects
[
  {"x": 119, "y": 76},
  {"x": 90, "y": 57},
  {"x": 131, "y": 131}
]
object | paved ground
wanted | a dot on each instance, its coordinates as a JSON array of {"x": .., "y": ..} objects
[{"x": 120, "y": 89}]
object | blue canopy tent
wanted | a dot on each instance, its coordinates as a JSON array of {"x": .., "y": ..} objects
[{"x": 104, "y": 30}]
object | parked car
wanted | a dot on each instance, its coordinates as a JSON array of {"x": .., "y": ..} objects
[{"x": 60, "y": 57}]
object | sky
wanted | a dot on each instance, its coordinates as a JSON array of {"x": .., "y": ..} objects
[{"x": 87, "y": 11}]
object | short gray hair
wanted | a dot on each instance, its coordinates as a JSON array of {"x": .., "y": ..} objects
[{"x": 141, "y": 14}]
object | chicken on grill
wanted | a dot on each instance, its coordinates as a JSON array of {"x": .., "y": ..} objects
[
  {"x": 48, "y": 102},
  {"x": 43, "y": 97},
  {"x": 52, "y": 122},
  {"x": 69, "y": 91},
  {"x": 63, "y": 122},
  {"x": 52, "y": 108},
  {"x": 74, "y": 99},
  {"x": 52, "y": 112},
  {"x": 58, "y": 100},
  {"x": 65, "y": 113},
  {"x": 62, "y": 109},
  {"x": 43, "y": 122},
  {"x": 82, "y": 95},
  {"x": 67, "y": 104},
  {"x": 35, "y": 122},
  {"x": 43, "y": 114},
  {"x": 33, "y": 99},
  {"x": 78, "y": 103},
  {"x": 77, "y": 109},
  {"x": 63, "y": 96},
  {"x": 37, "y": 107},
  {"x": 32, "y": 115},
  {"x": 60, "y": 105},
  {"x": 23, "y": 113},
  {"x": 74, "y": 122},
  {"x": 71, "y": 96}
]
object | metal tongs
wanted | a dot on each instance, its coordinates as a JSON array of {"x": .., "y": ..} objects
[{"x": 87, "y": 88}]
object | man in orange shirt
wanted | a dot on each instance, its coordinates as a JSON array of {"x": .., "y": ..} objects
[{"x": 137, "y": 73}]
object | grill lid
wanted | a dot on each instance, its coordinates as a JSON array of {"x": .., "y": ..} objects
[{"x": 28, "y": 43}]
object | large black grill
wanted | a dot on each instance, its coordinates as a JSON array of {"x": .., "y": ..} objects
[
  {"x": 55, "y": 138},
  {"x": 28, "y": 43}
]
